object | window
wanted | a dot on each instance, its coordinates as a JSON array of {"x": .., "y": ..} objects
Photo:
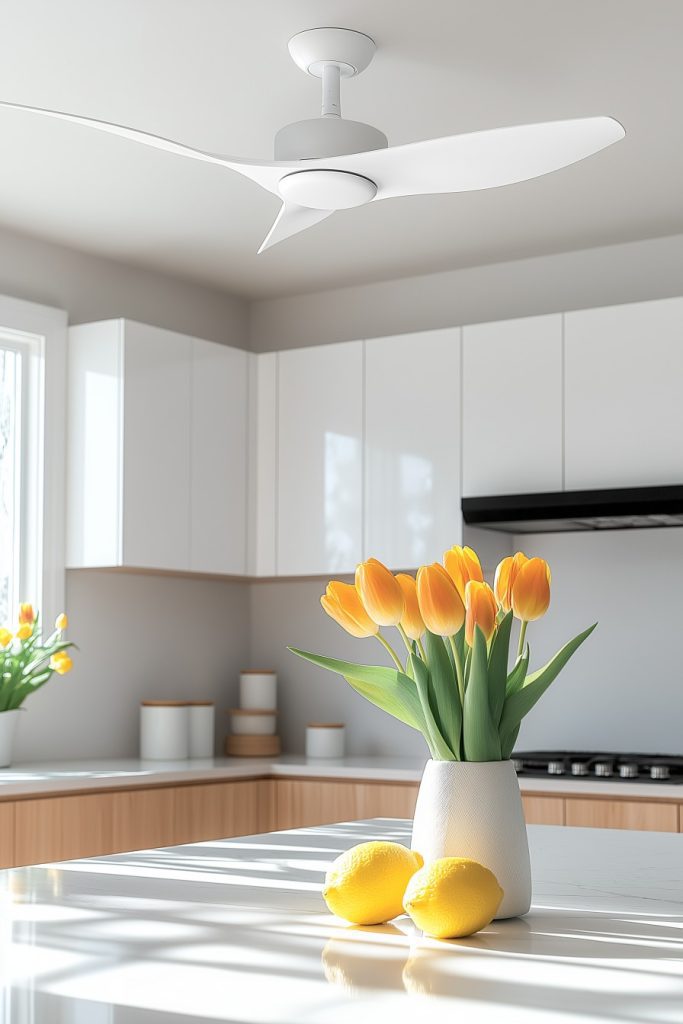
[{"x": 32, "y": 401}]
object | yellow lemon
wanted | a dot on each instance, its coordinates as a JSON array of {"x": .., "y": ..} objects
[
  {"x": 452, "y": 897},
  {"x": 366, "y": 884}
]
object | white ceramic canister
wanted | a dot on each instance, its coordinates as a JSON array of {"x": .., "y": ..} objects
[
  {"x": 258, "y": 689},
  {"x": 325, "y": 739},
  {"x": 201, "y": 725},
  {"x": 253, "y": 721},
  {"x": 164, "y": 730}
]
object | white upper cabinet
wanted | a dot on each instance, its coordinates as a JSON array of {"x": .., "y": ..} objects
[
  {"x": 157, "y": 450},
  {"x": 320, "y": 459},
  {"x": 261, "y": 533},
  {"x": 624, "y": 377},
  {"x": 412, "y": 449},
  {"x": 218, "y": 462},
  {"x": 512, "y": 406}
]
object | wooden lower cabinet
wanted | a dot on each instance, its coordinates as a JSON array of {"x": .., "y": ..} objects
[
  {"x": 652, "y": 816},
  {"x": 303, "y": 802},
  {"x": 543, "y": 810},
  {"x": 64, "y": 827},
  {"x": 222, "y": 809},
  {"x": 6, "y": 835},
  {"x": 144, "y": 819}
]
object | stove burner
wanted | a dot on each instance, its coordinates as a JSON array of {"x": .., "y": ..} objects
[{"x": 655, "y": 769}]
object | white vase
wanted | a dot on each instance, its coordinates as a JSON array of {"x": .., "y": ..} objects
[
  {"x": 474, "y": 809},
  {"x": 8, "y": 724}
]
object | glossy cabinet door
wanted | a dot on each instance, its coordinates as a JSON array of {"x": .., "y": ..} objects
[
  {"x": 512, "y": 406},
  {"x": 156, "y": 447},
  {"x": 412, "y": 447},
  {"x": 262, "y": 459},
  {"x": 320, "y": 459},
  {"x": 218, "y": 461},
  {"x": 624, "y": 415}
]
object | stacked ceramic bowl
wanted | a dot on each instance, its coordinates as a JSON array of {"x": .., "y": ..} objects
[{"x": 253, "y": 730}]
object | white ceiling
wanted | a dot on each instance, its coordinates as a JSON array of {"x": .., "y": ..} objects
[{"x": 216, "y": 74}]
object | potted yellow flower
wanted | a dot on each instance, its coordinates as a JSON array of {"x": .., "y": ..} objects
[
  {"x": 26, "y": 664},
  {"x": 457, "y": 685}
]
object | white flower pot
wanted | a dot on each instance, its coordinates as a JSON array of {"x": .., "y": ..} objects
[
  {"x": 8, "y": 724},
  {"x": 474, "y": 809}
]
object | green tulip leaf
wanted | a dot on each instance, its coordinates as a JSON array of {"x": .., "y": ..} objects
[
  {"x": 498, "y": 667},
  {"x": 443, "y": 691},
  {"x": 480, "y": 735},
  {"x": 516, "y": 678},
  {"x": 519, "y": 704},
  {"x": 435, "y": 740}
]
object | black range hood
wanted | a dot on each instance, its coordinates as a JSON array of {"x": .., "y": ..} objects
[{"x": 626, "y": 508}]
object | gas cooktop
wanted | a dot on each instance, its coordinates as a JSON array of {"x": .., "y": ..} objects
[{"x": 581, "y": 764}]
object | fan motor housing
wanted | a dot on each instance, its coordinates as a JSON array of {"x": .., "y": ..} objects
[{"x": 326, "y": 137}]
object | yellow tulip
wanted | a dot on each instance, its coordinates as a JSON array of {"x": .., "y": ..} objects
[
  {"x": 506, "y": 574},
  {"x": 27, "y": 616},
  {"x": 343, "y": 604},
  {"x": 440, "y": 604},
  {"x": 462, "y": 565},
  {"x": 5, "y": 637},
  {"x": 531, "y": 590},
  {"x": 61, "y": 663},
  {"x": 411, "y": 620},
  {"x": 24, "y": 632},
  {"x": 380, "y": 593},
  {"x": 61, "y": 622},
  {"x": 481, "y": 609}
]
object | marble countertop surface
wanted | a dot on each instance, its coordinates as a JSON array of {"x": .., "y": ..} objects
[
  {"x": 237, "y": 931},
  {"x": 38, "y": 777}
]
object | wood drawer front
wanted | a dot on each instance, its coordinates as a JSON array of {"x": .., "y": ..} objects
[
  {"x": 302, "y": 802},
  {"x": 220, "y": 810},
  {"x": 62, "y": 828},
  {"x": 543, "y": 810},
  {"x": 652, "y": 817},
  {"x": 6, "y": 835},
  {"x": 143, "y": 819},
  {"x": 385, "y": 801}
]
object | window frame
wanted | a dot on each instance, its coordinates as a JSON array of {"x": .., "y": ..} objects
[{"x": 41, "y": 338}]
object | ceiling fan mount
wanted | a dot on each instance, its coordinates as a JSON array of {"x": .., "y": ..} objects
[{"x": 327, "y": 163}]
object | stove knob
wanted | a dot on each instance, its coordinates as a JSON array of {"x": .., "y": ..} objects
[
  {"x": 517, "y": 764},
  {"x": 628, "y": 770},
  {"x": 579, "y": 768},
  {"x": 603, "y": 769},
  {"x": 659, "y": 771},
  {"x": 555, "y": 767}
]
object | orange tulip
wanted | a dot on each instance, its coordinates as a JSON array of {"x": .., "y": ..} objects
[
  {"x": 462, "y": 565},
  {"x": 481, "y": 609},
  {"x": 5, "y": 637},
  {"x": 342, "y": 603},
  {"x": 61, "y": 622},
  {"x": 24, "y": 631},
  {"x": 506, "y": 574},
  {"x": 440, "y": 604},
  {"x": 411, "y": 620},
  {"x": 27, "y": 616},
  {"x": 380, "y": 593},
  {"x": 531, "y": 590}
]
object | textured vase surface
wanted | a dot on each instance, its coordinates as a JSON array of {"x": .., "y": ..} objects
[
  {"x": 8, "y": 724},
  {"x": 474, "y": 809}
]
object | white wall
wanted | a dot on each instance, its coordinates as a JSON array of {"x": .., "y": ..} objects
[
  {"x": 94, "y": 288},
  {"x": 546, "y": 284}
]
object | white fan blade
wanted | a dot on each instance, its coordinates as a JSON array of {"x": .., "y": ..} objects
[
  {"x": 263, "y": 172},
  {"x": 290, "y": 220},
  {"x": 479, "y": 160}
]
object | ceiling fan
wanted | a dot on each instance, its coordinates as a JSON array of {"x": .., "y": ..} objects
[{"x": 326, "y": 163}]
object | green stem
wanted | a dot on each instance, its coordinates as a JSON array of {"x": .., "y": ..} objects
[
  {"x": 422, "y": 651},
  {"x": 522, "y": 636},
  {"x": 390, "y": 649},
  {"x": 458, "y": 669},
  {"x": 405, "y": 639}
]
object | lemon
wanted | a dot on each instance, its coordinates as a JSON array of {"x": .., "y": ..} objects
[
  {"x": 452, "y": 897},
  {"x": 366, "y": 884}
]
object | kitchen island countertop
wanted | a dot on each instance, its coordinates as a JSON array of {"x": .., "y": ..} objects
[
  {"x": 54, "y": 777},
  {"x": 237, "y": 931}
]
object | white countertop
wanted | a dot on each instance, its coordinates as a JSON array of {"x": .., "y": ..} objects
[
  {"x": 237, "y": 931},
  {"x": 61, "y": 776}
]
